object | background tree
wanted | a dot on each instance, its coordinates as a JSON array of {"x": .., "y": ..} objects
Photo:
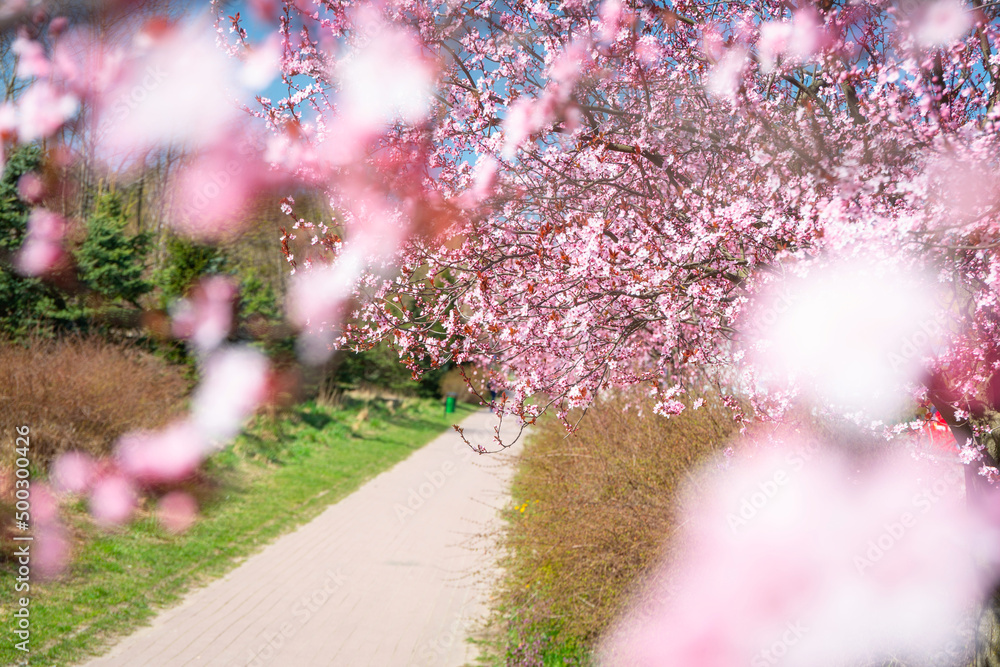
[
  {"x": 111, "y": 261},
  {"x": 26, "y": 303},
  {"x": 184, "y": 263}
]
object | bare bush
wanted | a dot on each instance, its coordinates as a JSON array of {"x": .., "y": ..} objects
[
  {"x": 593, "y": 511},
  {"x": 83, "y": 393}
]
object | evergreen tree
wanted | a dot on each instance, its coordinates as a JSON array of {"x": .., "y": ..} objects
[
  {"x": 185, "y": 263},
  {"x": 26, "y": 303},
  {"x": 112, "y": 262}
]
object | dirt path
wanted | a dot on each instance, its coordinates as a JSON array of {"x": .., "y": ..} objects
[{"x": 395, "y": 574}]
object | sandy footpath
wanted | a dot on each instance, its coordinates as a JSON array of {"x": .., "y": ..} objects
[{"x": 397, "y": 573}]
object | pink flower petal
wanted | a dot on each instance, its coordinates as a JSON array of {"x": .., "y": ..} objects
[
  {"x": 72, "y": 472},
  {"x": 177, "y": 511},
  {"x": 165, "y": 456},
  {"x": 42, "y": 110},
  {"x": 942, "y": 23},
  {"x": 235, "y": 384},
  {"x": 50, "y": 555},
  {"x": 112, "y": 500},
  {"x": 206, "y": 318}
]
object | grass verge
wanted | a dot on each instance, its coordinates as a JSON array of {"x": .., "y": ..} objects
[{"x": 279, "y": 475}]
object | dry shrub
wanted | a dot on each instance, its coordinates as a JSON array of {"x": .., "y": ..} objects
[
  {"x": 593, "y": 511},
  {"x": 83, "y": 393}
]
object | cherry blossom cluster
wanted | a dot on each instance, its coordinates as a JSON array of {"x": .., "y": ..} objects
[{"x": 597, "y": 194}]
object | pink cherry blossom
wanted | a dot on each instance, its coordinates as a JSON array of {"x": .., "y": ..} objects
[
  {"x": 43, "y": 109},
  {"x": 32, "y": 61},
  {"x": 610, "y": 16},
  {"x": 386, "y": 79},
  {"x": 262, "y": 65},
  {"x": 523, "y": 118},
  {"x": 176, "y": 87},
  {"x": 39, "y": 257},
  {"x": 206, "y": 317},
  {"x": 799, "y": 39},
  {"x": 73, "y": 472},
  {"x": 317, "y": 301},
  {"x": 885, "y": 318},
  {"x": 31, "y": 188},
  {"x": 943, "y": 22},
  {"x": 485, "y": 178},
  {"x": 112, "y": 500},
  {"x": 8, "y": 121},
  {"x": 42, "y": 251},
  {"x": 169, "y": 455},
  {"x": 51, "y": 553},
  {"x": 774, "y": 39},
  {"x": 177, "y": 511},
  {"x": 845, "y": 564},
  {"x": 210, "y": 197},
  {"x": 233, "y": 386},
  {"x": 652, "y": 186},
  {"x": 727, "y": 74},
  {"x": 44, "y": 505}
]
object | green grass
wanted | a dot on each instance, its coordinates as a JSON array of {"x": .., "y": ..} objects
[
  {"x": 542, "y": 644},
  {"x": 280, "y": 475}
]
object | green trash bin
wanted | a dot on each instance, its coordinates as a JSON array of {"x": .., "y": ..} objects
[{"x": 449, "y": 404}]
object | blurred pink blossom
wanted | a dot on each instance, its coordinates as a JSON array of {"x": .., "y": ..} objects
[
  {"x": 316, "y": 302},
  {"x": 485, "y": 176},
  {"x": 526, "y": 115},
  {"x": 44, "y": 505},
  {"x": 942, "y": 23},
  {"x": 206, "y": 317},
  {"x": 234, "y": 385},
  {"x": 610, "y": 16},
  {"x": 86, "y": 66},
  {"x": 72, "y": 472},
  {"x": 801, "y": 555},
  {"x": 965, "y": 189},
  {"x": 32, "y": 61},
  {"x": 807, "y": 34},
  {"x": 8, "y": 121},
  {"x": 316, "y": 297},
  {"x": 31, "y": 188},
  {"x": 265, "y": 10},
  {"x": 798, "y": 39},
  {"x": 523, "y": 119},
  {"x": 853, "y": 335},
  {"x": 388, "y": 79},
  {"x": 169, "y": 455},
  {"x": 112, "y": 500},
  {"x": 57, "y": 26},
  {"x": 13, "y": 8},
  {"x": 42, "y": 250},
  {"x": 42, "y": 110},
  {"x": 726, "y": 76},
  {"x": 51, "y": 552},
  {"x": 774, "y": 37},
  {"x": 177, "y": 511},
  {"x": 176, "y": 87},
  {"x": 210, "y": 197},
  {"x": 261, "y": 64}
]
